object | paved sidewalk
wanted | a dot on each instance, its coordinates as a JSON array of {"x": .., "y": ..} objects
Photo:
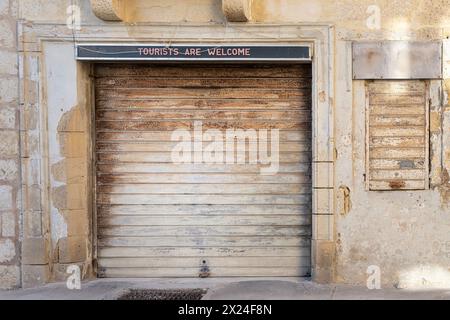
[{"x": 222, "y": 289}]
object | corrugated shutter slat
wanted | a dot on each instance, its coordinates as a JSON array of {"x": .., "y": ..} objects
[{"x": 160, "y": 219}]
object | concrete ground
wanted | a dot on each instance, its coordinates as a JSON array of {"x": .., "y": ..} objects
[{"x": 223, "y": 289}]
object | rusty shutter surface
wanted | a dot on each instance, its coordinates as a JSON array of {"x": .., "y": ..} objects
[
  {"x": 397, "y": 135},
  {"x": 160, "y": 219}
]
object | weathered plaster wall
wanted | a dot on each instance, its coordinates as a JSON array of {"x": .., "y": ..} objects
[
  {"x": 69, "y": 133},
  {"x": 405, "y": 233},
  {"x": 55, "y": 135},
  {"x": 9, "y": 148}
]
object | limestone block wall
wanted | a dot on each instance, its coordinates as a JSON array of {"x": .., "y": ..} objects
[
  {"x": 43, "y": 228},
  {"x": 9, "y": 148}
]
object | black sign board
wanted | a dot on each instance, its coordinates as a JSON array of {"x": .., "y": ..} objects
[{"x": 128, "y": 52}]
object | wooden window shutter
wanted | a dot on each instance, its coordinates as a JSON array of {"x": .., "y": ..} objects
[{"x": 397, "y": 134}]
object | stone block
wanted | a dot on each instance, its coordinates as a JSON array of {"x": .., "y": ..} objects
[
  {"x": 8, "y": 224},
  {"x": 30, "y": 91},
  {"x": 323, "y": 227},
  {"x": 60, "y": 271},
  {"x": 323, "y": 175},
  {"x": 29, "y": 117},
  {"x": 7, "y": 250},
  {"x": 77, "y": 222},
  {"x": 7, "y": 32},
  {"x": 34, "y": 251},
  {"x": 8, "y": 116},
  {"x": 6, "y": 197},
  {"x": 70, "y": 170},
  {"x": 323, "y": 261},
  {"x": 34, "y": 275},
  {"x": 9, "y": 143},
  {"x": 14, "y": 8},
  {"x": 435, "y": 122},
  {"x": 9, "y": 90},
  {"x": 31, "y": 171},
  {"x": 446, "y": 58},
  {"x": 4, "y": 7},
  {"x": 30, "y": 147},
  {"x": 8, "y": 170},
  {"x": 73, "y": 144},
  {"x": 323, "y": 201},
  {"x": 31, "y": 197},
  {"x": 237, "y": 10},
  {"x": 72, "y": 249},
  {"x": 71, "y": 196},
  {"x": 74, "y": 120},
  {"x": 8, "y": 62},
  {"x": 33, "y": 223},
  {"x": 9, "y": 277},
  {"x": 108, "y": 10},
  {"x": 380, "y": 60}
]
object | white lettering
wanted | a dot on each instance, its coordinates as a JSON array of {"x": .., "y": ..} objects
[{"x": 241, "y": 147}]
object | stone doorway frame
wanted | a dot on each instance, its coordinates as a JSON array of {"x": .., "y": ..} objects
[{"x": 43, "y": 46}]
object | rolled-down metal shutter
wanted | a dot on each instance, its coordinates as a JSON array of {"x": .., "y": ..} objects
[{"x": 157, "y": 218}]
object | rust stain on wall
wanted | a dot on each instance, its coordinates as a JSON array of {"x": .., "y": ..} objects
[
  {"x": 345, "y": 201},
  {"x": 397, "y": 184}
]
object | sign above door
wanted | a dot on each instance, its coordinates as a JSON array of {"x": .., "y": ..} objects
[{"x": 142, "y": 52}]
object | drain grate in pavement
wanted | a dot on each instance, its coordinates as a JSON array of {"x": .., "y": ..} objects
[{"x": 159, "y": 294}]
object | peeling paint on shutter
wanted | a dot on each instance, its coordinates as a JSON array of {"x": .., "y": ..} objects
[
  {"x": 161, "y": 219},
  {"x": 397, "y": 135}
]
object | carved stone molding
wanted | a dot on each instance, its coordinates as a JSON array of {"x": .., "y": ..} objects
[
  {"x": 108, "y": 10},
  {"x": 237, "y": 10}
]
